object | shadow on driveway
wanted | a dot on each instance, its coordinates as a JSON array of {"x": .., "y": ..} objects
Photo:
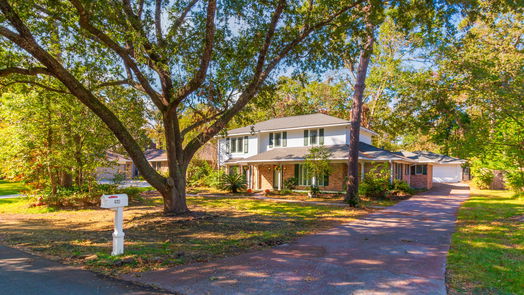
[{"x": 399, "y": 250}]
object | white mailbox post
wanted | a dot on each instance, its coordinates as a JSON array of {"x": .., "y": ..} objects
[{"x": 116, "y": 202}]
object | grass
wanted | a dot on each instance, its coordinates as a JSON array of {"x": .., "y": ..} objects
[
  {"x": 11, "y": 188},
  {"x": 229, "y": 226},
  {"x": 487, "y": 251}
]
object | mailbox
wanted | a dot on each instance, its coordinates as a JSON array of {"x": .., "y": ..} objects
[{"x": 113, "y": 201}]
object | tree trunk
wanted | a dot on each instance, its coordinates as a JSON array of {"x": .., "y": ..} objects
[
  {"x": 66, "y": 179},
  {"x": 356, "y": 111},
  {"x": 175, "y": 194}
]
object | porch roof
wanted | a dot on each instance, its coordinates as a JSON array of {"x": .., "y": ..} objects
[
  {"x": 338, "y": 152},
  {"x": 429, "y": 157}
]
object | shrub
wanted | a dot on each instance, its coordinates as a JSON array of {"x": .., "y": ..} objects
[
  {"x": 482, "y": 177},
  {"x": 267, "y": 192},
  {"x": 314, "y": 191},
  {"x": 376, "y": 184},
  {"x": 214, "y": 179},
  {"x": 86, "y": 196},
  {"x": 290, "y": 183},
  {"x": 233, "y": 182},
  {"x": 249, "y": 191},
  {"x": 515, "y": 181},
  {"x": 400, "y": 186},
  {"x": 119, "y": 178}
]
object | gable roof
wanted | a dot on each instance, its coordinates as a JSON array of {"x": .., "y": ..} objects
[
  {"x": 338, "y": 152},
  {"x": 116, "y": 157},
  {"x": 155, "y": 155},
  {"x": 311, "y": 120},
  {"x": 430, "y": 157}
]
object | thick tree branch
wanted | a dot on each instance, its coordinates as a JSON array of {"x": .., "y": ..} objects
[
  {"x": 158, "y": 22},
  {"x": 180, "y": 20},
  {"x": 27, "y": 42},
  {"x": 256, "y": 81},
  {"x": 28, "y": 72},
  {"x": 157, "y": 99},
  {"x": 200, "y": 75},
  {"x": 206, "y": 119}
]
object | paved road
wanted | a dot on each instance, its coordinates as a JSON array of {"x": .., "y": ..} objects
[
  {"x": 25, "y": 274},
  {"x": 399, "y": 250}
]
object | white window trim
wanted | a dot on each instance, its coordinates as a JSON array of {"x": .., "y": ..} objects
[
  {"x": 272, "y": 143},
  {"x": 229, "y": 145},
  {"x": 317, "y": 136}
]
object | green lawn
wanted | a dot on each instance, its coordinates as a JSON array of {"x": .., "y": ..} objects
[
  {"x": 487, "y": 251},
  {"x": 10, "y": 188},
  {"x": 223, "y": 226}
]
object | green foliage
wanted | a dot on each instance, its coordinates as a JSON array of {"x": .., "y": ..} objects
[
  {"x": 482, "y": 177},
  {"x": 85, "y": 196},
  {"x": 201, "y": 173},
  {"x": 314, "y": 191},
  {"x": 61, "y": 140},
  {"x": 290, "y": 183},
  {"x": 119, "y": 178},
  {"x": 233, "y": 182},
  {"x": 400, "y": 186},
  {"x": 376, "y": 183},
  {"x": 515, "y": 180},
  {"x": 317, "y": 162}
]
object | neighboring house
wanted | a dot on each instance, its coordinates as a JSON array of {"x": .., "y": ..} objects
[
  {"x": 117, "y": 164},
  {"x": 270, "y": 152},
  {"x": 445, "y": 168},
  {"x": 156, "y": 157}
]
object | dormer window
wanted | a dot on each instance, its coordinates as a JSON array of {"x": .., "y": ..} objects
[
  {"x": 278, "y": 139},
  {"x": 314, "y": 137},
  {"x": 236, "y": 145}
]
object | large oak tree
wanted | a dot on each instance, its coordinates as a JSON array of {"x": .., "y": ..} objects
[{"x": 205, "y": 56}]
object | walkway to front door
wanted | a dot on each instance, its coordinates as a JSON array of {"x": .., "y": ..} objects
[{"x": 400, "y": 250}]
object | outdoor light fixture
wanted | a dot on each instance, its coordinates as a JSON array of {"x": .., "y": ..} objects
[{"x": 252, "y": 129}]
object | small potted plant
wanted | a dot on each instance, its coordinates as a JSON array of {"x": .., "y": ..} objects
[
  {"x": 266, "y": 192},
  {"x": 249, "y": 191}
]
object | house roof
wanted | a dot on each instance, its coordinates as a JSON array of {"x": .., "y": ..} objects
[
  {"x": 311, "y": 120},
  {"x": 338, "y": 152},
  {"x": 429, "y": 157},
  {"x": 115, "y": 157},
  {"x": 155, "y": 155}
]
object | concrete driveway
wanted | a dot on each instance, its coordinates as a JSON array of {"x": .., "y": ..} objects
[
  {"x": 22, "y": 273},
  {"x": 399, "y": 250}
]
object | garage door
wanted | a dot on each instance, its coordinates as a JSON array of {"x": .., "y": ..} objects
[{"x": 447, "y": 173}]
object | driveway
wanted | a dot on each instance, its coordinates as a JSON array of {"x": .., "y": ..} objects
[
  {"x": 22, "y": 273},
  {"x": 399, "y": 250}
]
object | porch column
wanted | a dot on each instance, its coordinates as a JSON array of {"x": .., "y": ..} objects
[
  {"x": 392, "y": 171},
  {"x": 362, "y": 170},
  {"x": 279, "y": 178}
]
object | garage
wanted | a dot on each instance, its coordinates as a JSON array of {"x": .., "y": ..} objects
[{"x": 447, "y": 173}]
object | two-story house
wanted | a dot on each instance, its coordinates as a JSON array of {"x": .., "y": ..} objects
[{"x": 270, "y": 152}]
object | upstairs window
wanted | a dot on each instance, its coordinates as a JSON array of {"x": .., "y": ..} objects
[
  {"x": 235, "y": 145},
  {"x": 278, "y": 139},
  {"x": 314, "y": 137}
]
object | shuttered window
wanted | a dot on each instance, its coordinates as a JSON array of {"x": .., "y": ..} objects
[
  {"x": 314, "y": 137},
  {"x": 277, "y": 139},
  {"x": 237, "y": 145}
]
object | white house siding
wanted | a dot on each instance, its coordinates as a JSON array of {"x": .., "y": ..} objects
[
  {"x": 252, "y": 148},
  {"x": 364, "y": 137},
  {"x": 295, "y": 138},
  {"x": 447, "y": 173}
]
